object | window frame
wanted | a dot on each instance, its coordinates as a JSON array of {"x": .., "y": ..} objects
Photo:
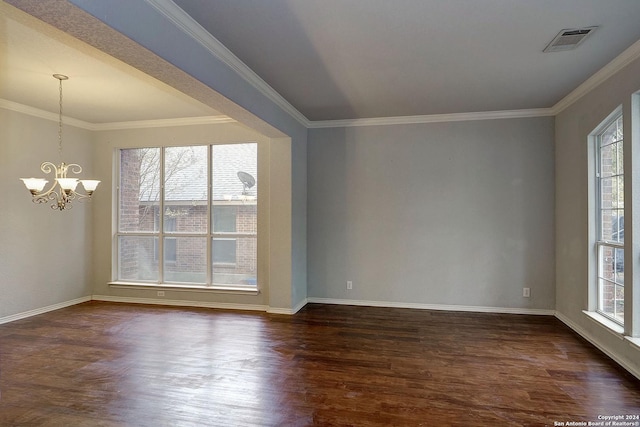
[
  {"x": 160, "y": 234},
  {"x": 601, "y": 244}
]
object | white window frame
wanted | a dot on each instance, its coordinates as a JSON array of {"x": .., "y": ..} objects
[
  {"x": 160, "y": 233},
  {"x": 599, "y": 243}
]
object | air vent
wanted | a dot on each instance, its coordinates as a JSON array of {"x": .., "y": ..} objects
[{"x": 569, "y": 39}]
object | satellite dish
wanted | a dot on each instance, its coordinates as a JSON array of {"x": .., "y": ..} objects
[{"x": 247, "y": 181}]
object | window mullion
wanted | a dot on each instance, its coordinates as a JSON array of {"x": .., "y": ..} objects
[
  {"x": 209, "y": 213},
  {"x": 161, "y": 219}
]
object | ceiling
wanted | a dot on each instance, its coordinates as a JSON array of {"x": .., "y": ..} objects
[
  {"x": 100, "y": 89},
  {"x": 337, "y": 59}
]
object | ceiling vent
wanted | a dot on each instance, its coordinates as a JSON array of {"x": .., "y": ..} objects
[{"x": 569, "y": 39}]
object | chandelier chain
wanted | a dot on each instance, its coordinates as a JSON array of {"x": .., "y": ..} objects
[{"x": 60, "y": 122}]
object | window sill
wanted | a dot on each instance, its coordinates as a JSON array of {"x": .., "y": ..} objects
[
  {"x": 634, "y": 341},
  {"x": 227, "y": 289},
  {"x": 608, "y": 324}
]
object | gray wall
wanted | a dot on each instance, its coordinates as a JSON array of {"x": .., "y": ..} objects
[
  {"x": 458, "y": 213},
  {"x": 45, "y": 255},
  {"x": 299, "y": 222},
  {"x": 573, "y": 248}
]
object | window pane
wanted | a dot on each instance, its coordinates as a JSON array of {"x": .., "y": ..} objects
[
  {"x": 235, "y": 171},
  {"x": 607, "y": 263},
  {"x": 617, "y": 196},
  {"x": 136, "y": 258},
  {"x": 185, "y": 193},
  {"x": 617, "y": 227},
  {"x": 608, "y": 160},
  {"x": 242, "y": 271},
  {"x": 170, "y": 249},
  {"x": 611, "y": 282},
  {"x": 606, "y": 225},
  {"x": 606, "y": 193},
  {"x": 619, "y": 266},
  {"x": 224, "y": 218},
  {"x": 607, "y": 297},
  {"x": 139, "y": 189},
  {"x": 619, "y": 158},
  {"x": 224, "y": 251},
  {"x": 613, "y": 133},
  {"x": 189, "y": 263},
  {"x": 619, "y": 304}
]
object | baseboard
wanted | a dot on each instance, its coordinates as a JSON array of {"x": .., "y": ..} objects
[
  {"x": 42, "y": 310},
  {"x": 300, "y": 305},
  {"x": 441, "y": 307},
  {"x": 276, "y": 310},
  {"x": 181, "y": 303},
  {"x": 603, "y": 348},
  {"x": 288, "y": 311}
]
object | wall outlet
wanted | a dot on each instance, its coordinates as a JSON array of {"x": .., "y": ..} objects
[
  {"x": 349, "y": 284},
  {"x": 526, "y": 292},
  {"x": 160, "y": 293}
]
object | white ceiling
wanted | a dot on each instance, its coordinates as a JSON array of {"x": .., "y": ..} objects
[
  {"x": 346, "y": 59},
  {"x": 338, "y": 59},
  {"x": 100, "y": 89}
]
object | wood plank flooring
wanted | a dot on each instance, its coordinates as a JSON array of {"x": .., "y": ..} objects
[{"x": 108, "y": 364}]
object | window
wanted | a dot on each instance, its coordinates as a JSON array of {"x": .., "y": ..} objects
[
  {"x": 610, "y": 220},
  {"x": 188, "y": 215}
]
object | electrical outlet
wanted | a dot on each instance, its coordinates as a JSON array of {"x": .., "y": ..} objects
[
  {"x": 349, "y": 284},
  {"x": 160, "y": 293},
  {"x": 526, "y": 292}
]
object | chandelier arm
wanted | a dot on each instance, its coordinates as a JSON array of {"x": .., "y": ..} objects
[
  {"x": 75, "y": 168},
  {"x": 80, "y": 196},
  {"x": 46, "y": 196},
  {"x": 48, "y": 167}
]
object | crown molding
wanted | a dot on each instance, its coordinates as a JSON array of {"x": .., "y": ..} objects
[
  {"x": 434, "y": 118},
  {"x": 36, "y": 112},
  {"x": 190, "y": 27},
  {"x": 137, "y": 124},
  {"x": 185, "y": 121},
  {"x": 618, "y": 63}
]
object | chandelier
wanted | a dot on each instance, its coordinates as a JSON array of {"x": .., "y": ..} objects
[{"x": 63, "y": 190}]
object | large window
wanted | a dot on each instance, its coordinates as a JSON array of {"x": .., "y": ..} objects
[
  {"x": 610, "y": 220},
  {"x": 188, "y": 215}
]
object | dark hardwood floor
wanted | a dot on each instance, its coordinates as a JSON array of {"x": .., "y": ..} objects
[{"x": 107, "y": 364}]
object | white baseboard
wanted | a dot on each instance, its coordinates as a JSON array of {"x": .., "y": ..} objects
[
  {"x": 594, "y": 341},
  {"x": 289, "y": 311},
  {"x": 442, "y": 307},
  {"x": 300, "y": 306},
  {"x": 42, "y": 310},
  {"x": 181, "y": 303}
]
